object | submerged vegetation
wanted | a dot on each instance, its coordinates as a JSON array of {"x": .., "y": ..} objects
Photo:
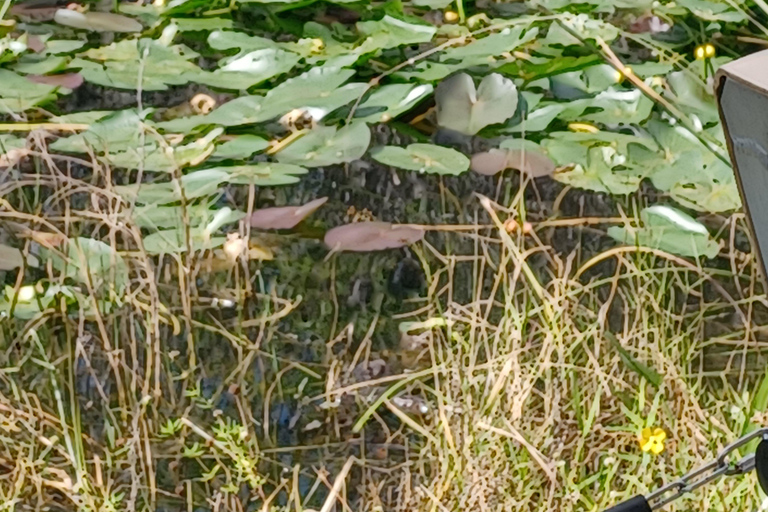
[{"x": 402, "y": 255}]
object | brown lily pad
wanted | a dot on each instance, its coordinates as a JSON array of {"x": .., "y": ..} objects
[
  {"x": 372, "y": 236},
  {"x": 284, "y": 217},
  {"x": 97, "y": 21},
  {"x": 66, "y": 80},
  {"x": 532, "y": 163}
]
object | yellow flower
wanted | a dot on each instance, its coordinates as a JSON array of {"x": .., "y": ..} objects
[
  {"x": 652, "y": 440},
  {"x": 704, "y": 51},
  {"x": 450, "y": 16},
  {"x": 619, "y": 76},
  {"x": 583, "y": 128}
]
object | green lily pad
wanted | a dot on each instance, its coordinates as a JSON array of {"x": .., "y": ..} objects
[
  {"x": 670, "y": 230},
  {"x": 320, "y": 88},
  {"x": 263, "y": 174},
  {"x": 597, "y": 172},
  {"x": 248, "y": 70},
  {"x": 390, "y": 32},
  {"x": 325, "y": 145},
  {"x": 195, "y": 184},
  {"x": 121, "y": 64},
  {"x": 18, "y": 94},
  {"x": 203, "y": 24},
  {"x": 240, "y": 147},
  {"x": 199, "y": 215},
  {"x": 173, "y": 241},
  {"x": 426, "y": 158},
  {"x": 117, "y": 138},
  {"x": 462, "y": 108},
  {"x": 481, "y": 52},
  {"x": 692, "y": 96},
  {"x": 92, "y": 261},
  {"x": 389, "y": 101},
  {"x": 611, "y": 107}
]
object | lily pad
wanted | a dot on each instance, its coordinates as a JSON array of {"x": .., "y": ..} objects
[
  {"x": 670, "y": 230},
  {"x": 248, "y": 70},
  {"x": 18, "y": 94},
  {"x": 389, "y": 101},
  {"x": 199, "y": 215},
  {"x": 97, "y": 21},
  {"x": 462, "y": 108},
  {"x": 173, "y": 241},
  {"x": 195, "y": 184},
  {"x": 320, "y": 88},
  {"x": 597, "y": 173},
  {"x": 372, "y": 236},
  {"x": 390, "y": 32},
  {"x": 525, "y": 156},
  {"x": 263, "y": 174},
  {"x": 121, "y": 64},
  {"x": 426, "y": 158},
  {"x": 284, "y": 217},
  {"x": 325, "y": 145},
  {"x": 94, "y": 262},
  {"x": 240, "y": 147}
]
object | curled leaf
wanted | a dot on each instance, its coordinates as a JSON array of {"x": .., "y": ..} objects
[
  {"x": 97, "y": 21},
  {"x": 372, "y": 236},
  {"x": 284, "y": 217}
]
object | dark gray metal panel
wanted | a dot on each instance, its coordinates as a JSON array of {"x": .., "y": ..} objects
[{"x": 744, "y": 111}]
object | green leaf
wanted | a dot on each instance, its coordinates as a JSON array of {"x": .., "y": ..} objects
[
  {"x": 121, "y": 64},
  {"x": 263, "y": 174},
  {"x": 597, "y": 170},
  {"x": 482, "y": 52},
  {"x": 670, "y": 230},
  {"x": 172, "y": 241},
  {"x": 538, "y": 119},
  {"x": 319, "y": 88},
  {"x": 389, "y": 101},
  {"x": 195, "y": 184},
  {"x": 690, "y": 94},
  {"x": 614, "y": 106},
  {"x": 426, "y": 158},
  {"x": 633, "y": 364},
  {"x": 94, "y": 262},
  {"x": 240, "y": 147},
  {"x": 199, "y": 215},
  {"x": 713, "y": 11},
  {"x": 248, "y": 70},
  {"x": 463, "y": 109},
  {"x": 390, "y": 32},
  {"x": 18, "y": 94},
  {"x": 325, "y": 145},
  {"x": 207, "y": 24}
]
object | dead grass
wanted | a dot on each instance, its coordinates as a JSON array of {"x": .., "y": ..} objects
[{"x": 515, "y": 399}]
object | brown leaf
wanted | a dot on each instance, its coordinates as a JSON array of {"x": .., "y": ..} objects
[
  {"x": 490, "y": 162},
  {"x": 284, "y": 217},
  {"x": 372, "y": 236},
  {"x": 66, "y": 80},
  {"x": 532, "y": 163},
  {"x": 97, "y": 21},
  {"x": 528, "y": 162}
]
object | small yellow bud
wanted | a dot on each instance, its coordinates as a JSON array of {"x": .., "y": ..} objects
[
  {"x": 709, "y": 51},
  {"x": 450, "y": 16},
  {"x": 583, "y": 128},
  {"x": 700, "y": 53}
]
